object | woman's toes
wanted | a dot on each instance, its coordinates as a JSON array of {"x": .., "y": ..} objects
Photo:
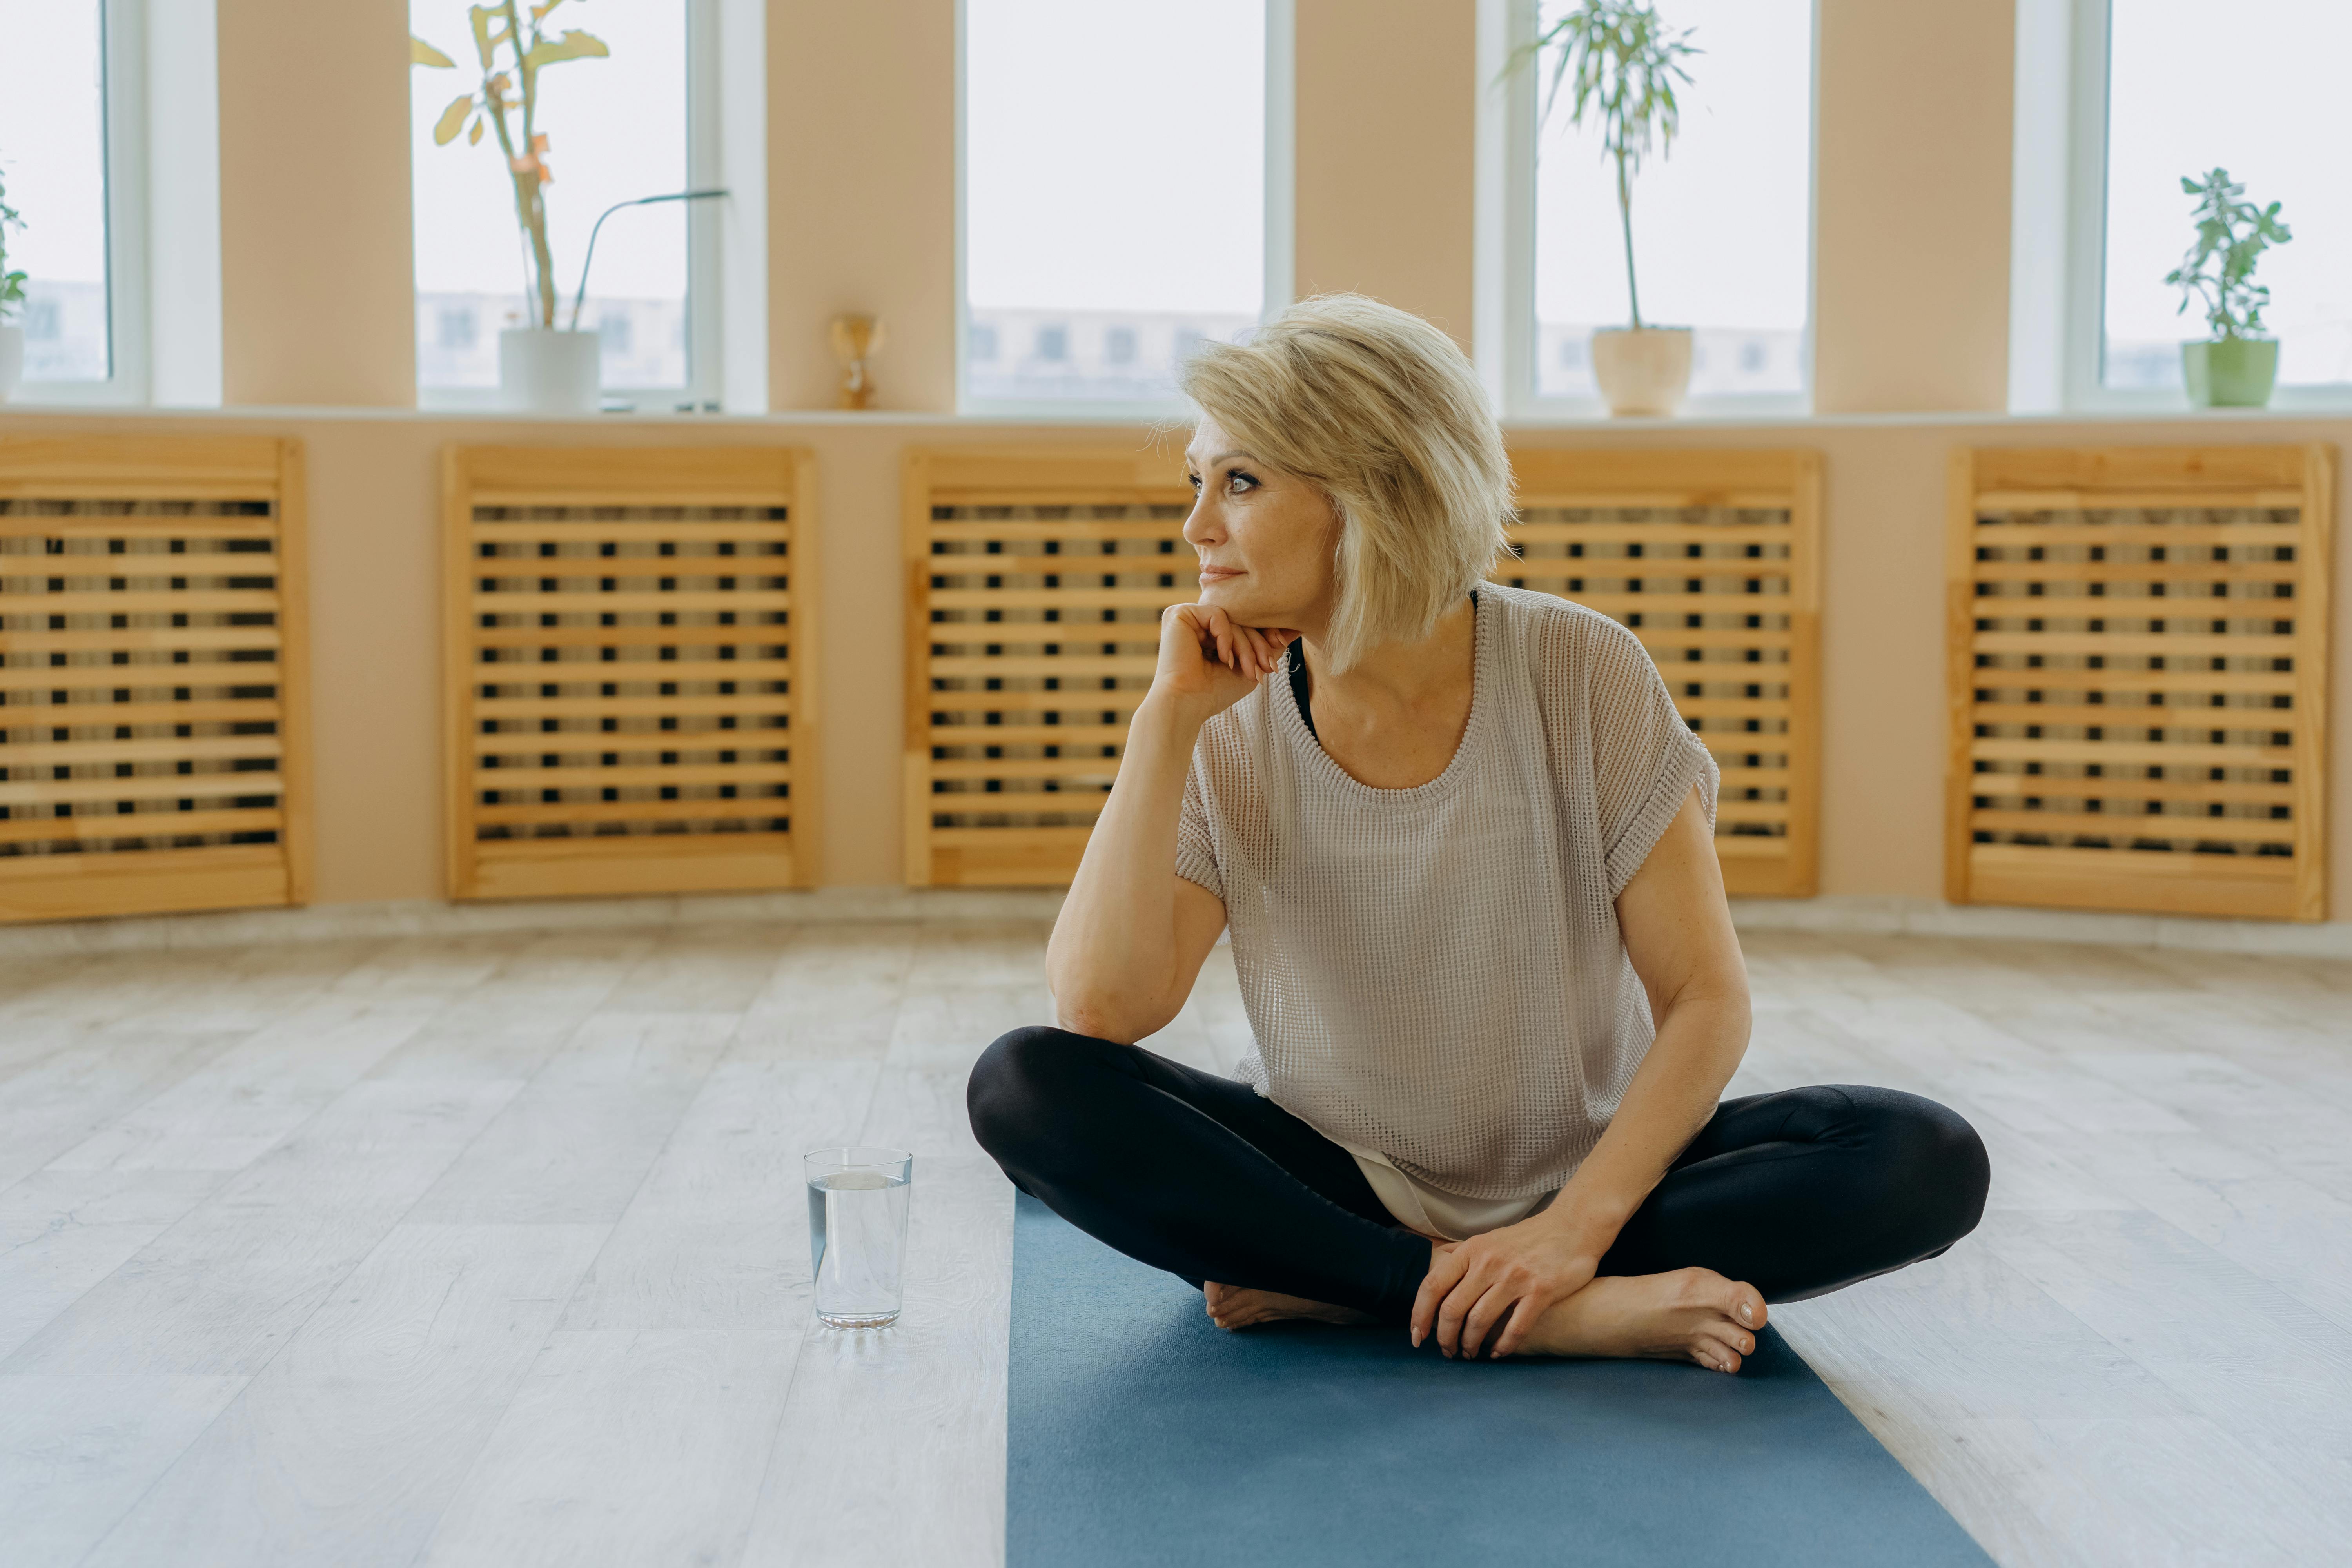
[
  {"x": 1715, "y": 1355},
  {"x": 1747, "y": 1307},
  {"x": 1741, "y": 1303}
]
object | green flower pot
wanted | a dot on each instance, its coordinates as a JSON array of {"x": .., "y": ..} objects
[{"x": 2230, "y": 373}]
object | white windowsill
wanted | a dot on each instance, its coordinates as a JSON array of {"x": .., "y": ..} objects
[{"x": 1130, "y": 418}]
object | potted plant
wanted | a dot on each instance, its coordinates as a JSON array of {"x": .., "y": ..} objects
[
  {"x": 12, "y": 299},
  {"x": 1621, "y": 62},
  {"x": 541, "y": 367},
  {"x": 2237, "y": 367}
]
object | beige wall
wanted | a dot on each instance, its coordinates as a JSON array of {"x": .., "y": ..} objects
[
  {"x": 318, "y": 269},
  {"x": 861, "y": 195},
  {"x": 1387, "y": 94},
  {"x": 1911, "y": 206},
  {"x": 374, "y": 523}
]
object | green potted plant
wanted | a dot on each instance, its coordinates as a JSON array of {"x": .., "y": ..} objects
[
  {"x": 12, "y": 299},
  {"x": 1619, "y": 62},
  {"x": 541, "y": 367},
  {"x": 2237, "y": 367}
]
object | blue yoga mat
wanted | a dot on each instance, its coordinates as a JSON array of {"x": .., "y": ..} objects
[{"x": 1140, "y": 1433}]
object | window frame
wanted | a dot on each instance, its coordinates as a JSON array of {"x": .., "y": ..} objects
[
  {"x": 123, "y": 155},
  {"x": 706, "y": 378},
  {"x": 1508, "y": 137},
  {"x": 2083, "y": 351},
  {"x": 1280, "y": 271}
]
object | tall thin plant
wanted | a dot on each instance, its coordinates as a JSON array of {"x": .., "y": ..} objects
[
  {"x": 12, "y": 284},
  {"x": 513, "y": 50},
  {"x": 2218, "y": 270},
  {"x": 1619, "y": 62}
]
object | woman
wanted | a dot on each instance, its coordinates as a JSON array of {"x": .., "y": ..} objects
[{"x": 1466, "y": 849}]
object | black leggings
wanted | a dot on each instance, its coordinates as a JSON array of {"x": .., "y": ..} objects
[{"x": 1798, "y": 1193}]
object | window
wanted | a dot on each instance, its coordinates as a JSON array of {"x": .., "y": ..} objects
[
  {"x": 618, "y": 129},
  {"x": 70, "y": 122},
  {"x": 1721, "y": 224},
  {"x": 2166, "y": 116},
  {"x": 1115, "y": 189}
]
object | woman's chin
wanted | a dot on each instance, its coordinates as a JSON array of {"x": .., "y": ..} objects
[{"x": 1235, "y": 602}]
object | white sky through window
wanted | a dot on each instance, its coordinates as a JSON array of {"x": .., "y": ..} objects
[
  {"x": 1721, "y": 223},
  {"x": 1114, "y": 189},
  {"x": 617, "y": 129},
  {"x": 53, "y": 156},
  {"x": 2285, "y": 133}
]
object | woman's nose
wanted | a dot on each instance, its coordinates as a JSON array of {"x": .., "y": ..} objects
[{"x": 1201, "y": 528}]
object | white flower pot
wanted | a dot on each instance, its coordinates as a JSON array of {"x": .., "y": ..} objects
[
  {"x": 542, "y": 372},
  {"x": 12, "y": 360},
  {"x": 1642, "y": 371}
]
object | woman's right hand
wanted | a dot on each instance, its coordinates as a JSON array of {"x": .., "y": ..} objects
[{"x": 1208, "y": 662}]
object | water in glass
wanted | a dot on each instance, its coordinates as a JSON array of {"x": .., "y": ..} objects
[{"x": 858, "y": 1232}]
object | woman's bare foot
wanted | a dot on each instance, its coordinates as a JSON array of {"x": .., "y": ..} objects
[
  {"x": 1690, "y": 1314},
  {"x": 1232, "y": 1307}
]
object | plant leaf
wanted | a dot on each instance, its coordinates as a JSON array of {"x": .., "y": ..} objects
[
  {"x": 573, "y": 46},
  {"x": 474, "y": 135},
  {"x": 482, "y": 16},
  {"x": 421, "y": 52},
  {"x": 453, "y": 120}
]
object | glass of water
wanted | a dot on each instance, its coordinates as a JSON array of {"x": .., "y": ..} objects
[{"x": 857, "y": 1233}]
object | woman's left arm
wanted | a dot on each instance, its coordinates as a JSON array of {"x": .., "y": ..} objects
[{"x": 1677, "y": 932}]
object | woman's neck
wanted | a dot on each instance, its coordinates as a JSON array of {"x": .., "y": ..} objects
[{"x": 1399, "y": 677}]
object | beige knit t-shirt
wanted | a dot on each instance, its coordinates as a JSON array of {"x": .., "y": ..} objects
[{"x": 1435, "y": 975}]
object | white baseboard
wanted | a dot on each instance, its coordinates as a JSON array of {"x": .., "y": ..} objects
[
  {"x": 1930, "y": 917},
  {"x": 1841, "y": 914},
  {"x": 428, "y": 917}
]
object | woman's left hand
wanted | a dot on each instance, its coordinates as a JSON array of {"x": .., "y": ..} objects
[{"x": 1503, "y": 1278}]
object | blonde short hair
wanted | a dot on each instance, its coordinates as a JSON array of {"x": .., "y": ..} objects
[{"x": 1383, "y": 413}]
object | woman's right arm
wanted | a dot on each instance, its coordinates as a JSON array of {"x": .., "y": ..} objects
[{"x": 1132, "y": 934}]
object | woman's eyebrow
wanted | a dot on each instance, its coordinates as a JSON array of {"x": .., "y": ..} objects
[{"x": 1223, "y": 457}]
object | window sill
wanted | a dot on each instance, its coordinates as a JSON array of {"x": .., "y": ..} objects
[{"x": 2174, "y": 420}]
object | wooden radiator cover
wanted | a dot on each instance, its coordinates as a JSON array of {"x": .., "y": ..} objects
[
  {"x": 628, "y": 653},
  {"x": 2139, "y": 667},
  {"x": 1034, "y": 582},
  {"x": 153, "y": 737},
  {"x": 1713, "y": 559}
]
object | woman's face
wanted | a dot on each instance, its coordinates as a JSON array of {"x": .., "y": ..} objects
[{"x": 1266, "y": 538}]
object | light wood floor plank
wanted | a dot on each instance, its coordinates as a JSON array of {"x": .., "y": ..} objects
[
  {"x": 575, "y": 1144},
  {"x": 624, "y": 1449},
  {"x": 347, "y": 1447},
  {"x": 230, "y": 1111},
  {"x": 61, "y": 1231},
  {"x": 77, "y": 1450},
  {"x": 222, "y": 1289},
  {"x": 73, "y": 1091},
  {"x": 717, "y": 1236}
]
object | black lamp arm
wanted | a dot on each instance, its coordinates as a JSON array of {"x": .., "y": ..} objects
[{"x": 588, "y": 261}]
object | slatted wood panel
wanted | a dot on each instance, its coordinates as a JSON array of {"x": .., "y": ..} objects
[
  {"x": 153, "y": 746},
  {"x": 2138, "y": 657},
  {"x": 629, "y": 658},
  {"x": 1035, "y": 582},
  {"x": 1713, "y": 560}
]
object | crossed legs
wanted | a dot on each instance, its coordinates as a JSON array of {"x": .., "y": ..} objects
[{"x": 1794, "y": 1194}]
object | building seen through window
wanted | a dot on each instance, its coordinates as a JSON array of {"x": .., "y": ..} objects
[
  {"x": 616, "y": 129},
  {"x": 2286, "y": 141},
  {"x": 53, "y": 163},
  {"x": 1095, "y": 262},
  {"x": 1721, "y": 222}
]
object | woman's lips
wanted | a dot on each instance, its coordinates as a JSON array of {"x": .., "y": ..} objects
[{"x": 1219, "y": 573}]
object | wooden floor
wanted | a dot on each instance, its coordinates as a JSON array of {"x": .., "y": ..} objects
[{"x": 492, "y": 1250}]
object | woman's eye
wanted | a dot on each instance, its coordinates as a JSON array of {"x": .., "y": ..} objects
[{"x": 1237, "y": 481}]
